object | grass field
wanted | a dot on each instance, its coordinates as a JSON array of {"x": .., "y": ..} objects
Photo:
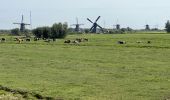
[{"x": 99, "y": 69}]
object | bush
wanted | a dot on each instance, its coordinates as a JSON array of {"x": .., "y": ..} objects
[
  {"x": 15, "y": 31},
  {"x": 59, "y": 30},
  {"x": 46, "y": 31},
  {"x": 38, "y": 32},
  {"x": 56, "y": 31}
]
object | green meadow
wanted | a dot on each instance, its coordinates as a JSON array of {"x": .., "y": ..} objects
[{"x": 100, "y": 69}]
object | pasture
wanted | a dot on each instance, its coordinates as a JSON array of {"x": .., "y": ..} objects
[{"x": 100, "y": 69}]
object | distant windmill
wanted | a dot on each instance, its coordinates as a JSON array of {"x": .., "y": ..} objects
[
  {"x": 147, "y": 27},
  {"x": 117, "y": 26},
  {"x": 77, "y": 29},
  {"x": 22, "y": 24},
  {"x": 93, "y": 29},
  {"x": 156, "y": 27}
]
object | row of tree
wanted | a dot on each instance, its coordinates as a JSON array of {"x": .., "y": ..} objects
[
  {"x": 58, "y": 30},
  {"x": 167, "y": 26}
]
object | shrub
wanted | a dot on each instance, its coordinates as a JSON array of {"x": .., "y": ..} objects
[
  {"x": 59, "y": 30},
  {"x": 38, "y": 32},
  {"x": 15, "y": 31}
]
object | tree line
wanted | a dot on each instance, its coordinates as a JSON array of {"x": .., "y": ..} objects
[{"x": 58, "y": 30}]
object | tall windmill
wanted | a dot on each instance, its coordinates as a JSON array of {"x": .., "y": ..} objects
[
  {"x": 22, "y": 24},
  {"x": 93, "y": 29},
  {"x": 77, "y": 29}
]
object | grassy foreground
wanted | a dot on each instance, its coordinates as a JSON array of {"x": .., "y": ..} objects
[{"x": 99, "y": 69}]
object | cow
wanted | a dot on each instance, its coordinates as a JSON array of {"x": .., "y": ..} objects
[
  {"x": 28, "y": 40},
  {"x": 149, "y": 42},
  {"x": 138, "y": 41},
  {"x": 3, "y": 39},
  {"x": 82, "y": 39},
  {"x": 75, "y": 42},
  {"x": 19, "y": 40},
  {"x": 85, "y": 39},
  {"x": 121, "y": 42},
  {"x": 47, "y": 40},
  {"x": 67, "y": 41},
  {"x": 36, "y": 39},
  {"x": 79, "y": 39}
]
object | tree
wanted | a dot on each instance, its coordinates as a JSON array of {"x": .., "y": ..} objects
[
  {"x": 167, "y": 26},
  {"x": 38, "y": 32},
  {"x": 46, "y": 31},
  {"x": 59, "y": 30},
  {"x": 15, "y": 31}
]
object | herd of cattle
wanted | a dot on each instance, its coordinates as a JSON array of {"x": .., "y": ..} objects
[
  {"x": 22, "y": 39},
  {"x": 124, "y": 42},
  {"x": 76, "y": 41}
]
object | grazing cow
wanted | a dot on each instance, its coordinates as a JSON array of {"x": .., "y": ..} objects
[
  {"x": 48, "y": 40},
  {"x": 44, "y": 39},
  {"x": 28, "y": 40},
  {"x": 82, "y": 39},
  {"x": 75, "y": 42},
  {"x": 149, "y": 42},
  {"x": 19, "y": 40},
  {"x": 138, "y": 41},
  {"x": 67, "y": 41},
  {"x": 36, "y": 39},
  {"x": 3, "y": 40},
  {"x": 85, "y": 39},
  {"x": 121, "y": 42},
  {"x": 79, "y": 39}
]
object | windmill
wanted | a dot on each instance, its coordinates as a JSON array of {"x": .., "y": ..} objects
[
  {"x": 147, "y": 27},
  {"x": 117, "y": 26},
  {"x": 22, "y": 24},
  {"x": 93, "y": 29},
  {"x": 77, "y": 29}
]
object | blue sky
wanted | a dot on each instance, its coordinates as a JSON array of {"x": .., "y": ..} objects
[{"x": 133, "y": 13}]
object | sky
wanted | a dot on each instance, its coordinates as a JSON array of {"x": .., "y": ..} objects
[{"x": 127, "y": 13}]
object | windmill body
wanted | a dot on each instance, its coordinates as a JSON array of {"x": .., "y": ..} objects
[
  {"x": 77, "y": 29},
  {"x": 147, "y": 27},
  {"x": 22, "y": 24},
  {"x": 117, "y": 26},
  {"x": 93, "y": 29}
]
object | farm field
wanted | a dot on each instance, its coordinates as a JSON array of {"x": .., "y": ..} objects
[{"x": 100, "y": 69}]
